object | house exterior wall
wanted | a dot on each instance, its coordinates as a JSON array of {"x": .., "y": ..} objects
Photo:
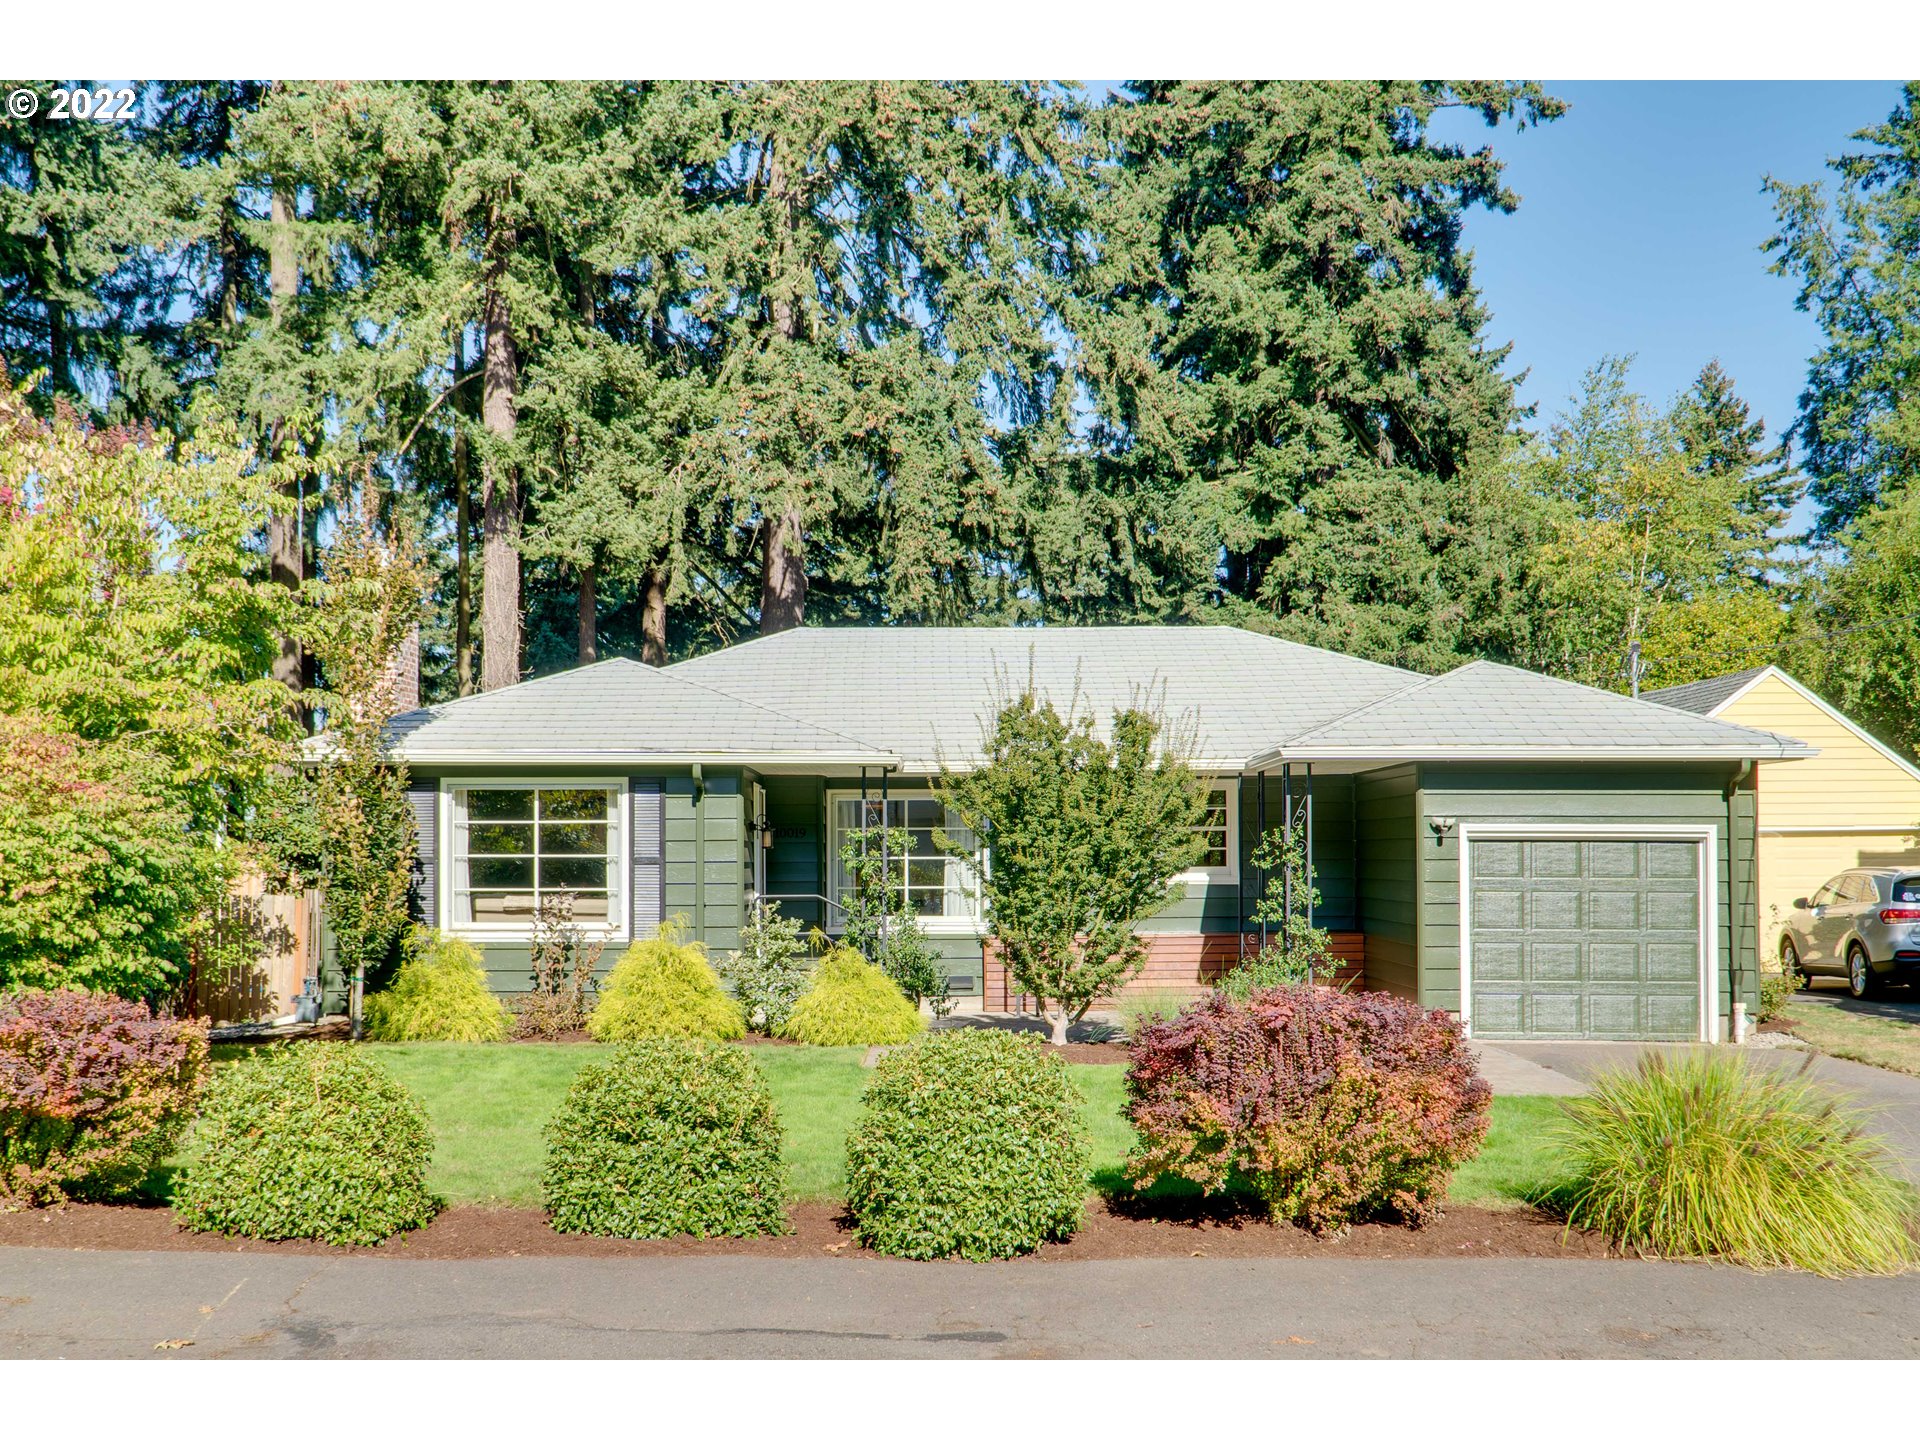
[
  {"x": 1849, "y": 805},
  {"x": 1718, "y": 796},
  {"x": 1387, "y": 886}
]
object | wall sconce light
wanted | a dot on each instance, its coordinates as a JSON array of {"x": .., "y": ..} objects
[{"x": 1441, "y": 824}]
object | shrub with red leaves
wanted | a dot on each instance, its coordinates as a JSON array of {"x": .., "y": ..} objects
[
  {"x": 1330, "y": 1107},
  {"x": 94, "y": 1091}
]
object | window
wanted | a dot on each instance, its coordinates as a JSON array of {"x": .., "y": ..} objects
[
  {"x": 938, "y": 886},
  {"x": 1216, "y": 829},
  {"x": 513, "y": 844},
  {"x": 1828, "y": 894}
]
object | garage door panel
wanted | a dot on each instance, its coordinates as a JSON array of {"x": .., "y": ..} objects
[{"x": 1592, "y": 938}]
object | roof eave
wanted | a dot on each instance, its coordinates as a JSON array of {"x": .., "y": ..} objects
[
  {"x": 752, "y": 758},
  {"x": 1387, "y": 754}
]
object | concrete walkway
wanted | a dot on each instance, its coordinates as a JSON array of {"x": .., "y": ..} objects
[
  {"x": 59, "y": 1303},
  {"x": 1511, "y": 1071}
]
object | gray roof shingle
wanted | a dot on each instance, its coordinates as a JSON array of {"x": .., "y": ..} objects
[
  {"x": 1703, "y": 697},
  {"x": 1484, "y": 708},
  {"x": 922, "y": 693},
  {"x": 613, "y": 710}
]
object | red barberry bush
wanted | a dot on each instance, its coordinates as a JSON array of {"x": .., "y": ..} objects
[
  {"x": 94, "y": 1092},
  {"x": 1329, "y": 1107}
]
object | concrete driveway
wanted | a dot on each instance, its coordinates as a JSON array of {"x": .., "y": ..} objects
[{"x": 60, "y": 1303}]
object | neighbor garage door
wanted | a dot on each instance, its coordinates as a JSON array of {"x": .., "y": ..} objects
[{"x": 1594, "y": 939}]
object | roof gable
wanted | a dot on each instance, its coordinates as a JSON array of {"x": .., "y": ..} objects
[
  {"x": 1705, "y": 697},
  {"x": 1752, "y": 698}
]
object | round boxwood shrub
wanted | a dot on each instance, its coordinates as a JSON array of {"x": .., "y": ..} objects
[
  {"x": 969, "y": 1143},
  {"x": 1708, "y": 1155},
  {"x": 850, "y": 1002},
  {"x": 669, "y": 1136},
  {"x": 665, "y": 986},
  {"x": 309, "y": 1141},
  {"x": 1330, "y": 1107},
  {"x": 94, "y": 1092},
  {"x": 440, "y": 993}
]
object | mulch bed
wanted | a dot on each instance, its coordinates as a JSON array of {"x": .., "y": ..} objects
[
  {"x": 821, "y": 1232},
  {"x": 1778, "y": 1026}
]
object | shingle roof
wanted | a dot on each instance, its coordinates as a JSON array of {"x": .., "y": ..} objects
[
  {"x": 1486, "y": 709},
  {"x": 923, "y": 692},
  {"x": 615, "y": 709},
  {"x": 1703, "y": 697}
]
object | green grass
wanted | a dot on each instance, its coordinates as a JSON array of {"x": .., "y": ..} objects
[
  {"x": 1890, "y": 1044},
  {"x": 489, "y": 1103}
]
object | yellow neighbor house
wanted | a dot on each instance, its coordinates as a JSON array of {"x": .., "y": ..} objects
[{"x": 1856, "y": 802}]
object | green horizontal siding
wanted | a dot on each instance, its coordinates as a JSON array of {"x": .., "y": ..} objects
[{"x": 1387, "y": 888}]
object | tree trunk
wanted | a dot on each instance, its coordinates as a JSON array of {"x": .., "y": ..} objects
[
  {"x": 285, "y": 562},
  {"x": 500, "y": 484},
  {"x": 1058, "y": 1019},
  {"x": 653, "y": 618},
  {"x": 463, "y": 556},
  {"x": 589, "y": 630},
  {"x": 783, "y": 592}
]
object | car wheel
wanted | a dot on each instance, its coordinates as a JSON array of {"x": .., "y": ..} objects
[
  {"x": 1861, "y": 981},
  {"x": 1790, "y": 966}
]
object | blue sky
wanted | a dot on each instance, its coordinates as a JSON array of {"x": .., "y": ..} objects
[{"x": 1639, "y": 229}]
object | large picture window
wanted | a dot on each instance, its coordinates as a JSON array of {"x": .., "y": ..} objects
[
  {"x": 938, "y": 887},
  {"x": 514, "y": 844}
]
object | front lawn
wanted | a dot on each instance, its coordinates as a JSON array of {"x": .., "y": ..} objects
[
  {"x": 1870, "y": 1039},
  {"x": 488, "y": 1104}
]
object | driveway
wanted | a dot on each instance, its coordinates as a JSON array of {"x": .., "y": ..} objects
[{"x": 63, "y": 1303}]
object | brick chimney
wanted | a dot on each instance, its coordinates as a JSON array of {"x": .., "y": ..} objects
[{"x": 403, "y": 674}]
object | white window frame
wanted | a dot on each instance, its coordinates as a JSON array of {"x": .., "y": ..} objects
[
  {"x": 1706, "y": 839},
  {"x": 931, "y": 924},
  {"x": 1228, "y": 874},
  {"x": 619, "y": 856}
]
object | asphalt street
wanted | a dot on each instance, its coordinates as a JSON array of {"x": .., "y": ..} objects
[{"x": 59, "y": 1303}]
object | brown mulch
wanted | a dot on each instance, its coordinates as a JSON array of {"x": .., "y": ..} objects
[
  {"x": 1080, "y": 1053},
  {"x": 821, "y": 1231},
  {"x": 1779, "y": 1025}
]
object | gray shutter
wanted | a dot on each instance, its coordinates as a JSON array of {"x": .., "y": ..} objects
[
  {"x": 648, "y": 875},
  {"x": 423, "y": 894}
]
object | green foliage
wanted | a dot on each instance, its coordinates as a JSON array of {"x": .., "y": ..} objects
[
  {"x": 1330, "y": 1107},
  {"x": 1775, "y": 991},
  {"x": 670, "y": 1136},
  {"x": 1297, "y": 951},
  {"x": 1858, "y": 267},
  {"x": 665, "y": 986},
  {"x": 1140, "y": 1008},
  {"x": 877, "y": 920},
  {"x": 1873, "y": 600},
  {"x": 564, "y": 980},
  {"x": 1707, "y": 1155},
  {"x": 769, "y": 970},
  {"x": 970, "y": 1143},
  {"x": 1086, "y": 835},
  {"x": 94, "y": 1092},
  {"x": 308, "y": 1141},
  {"x": 850, "y": 1002},
  {"x": 440, "y": 993}
]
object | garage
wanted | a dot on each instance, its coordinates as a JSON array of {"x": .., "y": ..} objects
[{"x": 1584, "y": 936}]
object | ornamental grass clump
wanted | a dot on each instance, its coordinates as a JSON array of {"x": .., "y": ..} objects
[
  {"x": 669, "y": 1136},
  {"x": 440, "y": 993},
  {"x": 1328, "y": 1107},
  {"x": 309, "y": 1141},
  {"x": 969, "y": 1143},
  {"x": 1708, "y": 1155},
  {"x": 94, "y": 1092},
  {"x": 850, "y": 1002},
  {"x": 665, "y": 986}
]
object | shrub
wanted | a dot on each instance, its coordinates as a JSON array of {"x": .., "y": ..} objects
[
  {"x": 969, "y": 1143},
  {"x": 1141, "y": 1008},
  {"x": 94, "y": 1092},
  {"x": 309, "y": 1141},
  {"x": 670, "y": 1136},
  {"x": 850, "y": 1002},
  {"x": 769, "y": 970},
  {"x": 1328, "y": 1106},
  {"x": 1706, "y": 1155},
  {"x": 1297, "y": 952},
  {"x": 1775, "y": 991},
  {"x": 879, "y": 922},
  {"x": 564, "y": 961},
  {"x": 440, "y": 993},
  {"x": 665, "y": 986}
]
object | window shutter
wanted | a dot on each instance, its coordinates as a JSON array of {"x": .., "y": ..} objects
[
  {"x": 423, "y": 894},
  {"x": 649, "y": 871}
]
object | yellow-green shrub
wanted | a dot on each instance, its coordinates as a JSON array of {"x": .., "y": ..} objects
[
  {"x": 665, "y": 986},
  {"x": 849, "y": 1002},
  {"x": 440, "y": 993}
]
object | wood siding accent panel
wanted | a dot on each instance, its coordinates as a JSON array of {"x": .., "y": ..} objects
[{"x": 1184, "y": 964}]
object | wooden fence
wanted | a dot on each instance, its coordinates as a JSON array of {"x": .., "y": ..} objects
[{"x": 280, "y": 934}]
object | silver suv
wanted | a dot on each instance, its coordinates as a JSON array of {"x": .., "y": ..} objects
[{"x": 1862, "y": 924}]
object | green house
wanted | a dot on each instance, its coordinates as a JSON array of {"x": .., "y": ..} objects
[{"x": 1542, "y": 858}]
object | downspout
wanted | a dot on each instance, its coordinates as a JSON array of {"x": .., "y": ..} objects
[
  {"x": 699, "y": 853},
  {"x": 1738, "y": 1024}
]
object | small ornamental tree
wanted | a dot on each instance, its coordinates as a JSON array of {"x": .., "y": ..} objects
[{"x": 1086, "y": 836}]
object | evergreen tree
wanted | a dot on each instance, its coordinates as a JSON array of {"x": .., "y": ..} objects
[{"x": 1856, "y": 256}]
